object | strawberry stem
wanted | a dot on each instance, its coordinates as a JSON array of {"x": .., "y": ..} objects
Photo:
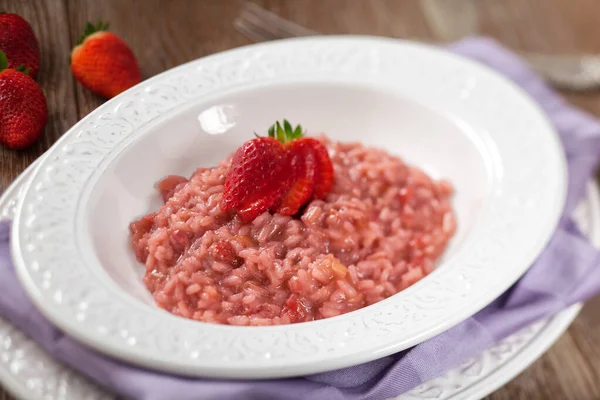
[
  {"x": 285, "y": 133},
  {"x": 4, "y": 64},
  {"x": 298, "y": 132},
  {"x": 90, "y": 29},
  {"x": 3, "y": 61},
  {"x": 21, "y": 68},
  {"x": 280, "y": 133},
  {"x": 287, "y": 127}
]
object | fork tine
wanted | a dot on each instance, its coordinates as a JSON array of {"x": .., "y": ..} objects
[
  {"x": 257, "y": 30},
  {"x": 253, "y": 32},
  {"x": 268, "y": 28},
  {"x": 271, "y": 18},
  {"x": 272, "y": 23}
]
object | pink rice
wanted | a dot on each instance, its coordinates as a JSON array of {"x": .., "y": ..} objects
[{"x": 380, "y": 230}]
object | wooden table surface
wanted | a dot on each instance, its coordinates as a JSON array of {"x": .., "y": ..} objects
[{"x": 166, "y": 33}]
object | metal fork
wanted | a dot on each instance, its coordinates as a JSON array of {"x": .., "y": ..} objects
[{"x": 570, "y": 72}]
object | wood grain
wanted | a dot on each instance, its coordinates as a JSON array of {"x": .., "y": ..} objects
[
  {"x": 164, "y": 34},
  {"x": 48, "y": 19}
]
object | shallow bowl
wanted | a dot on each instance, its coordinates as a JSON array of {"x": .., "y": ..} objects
[{"x": 447, "y": 115}]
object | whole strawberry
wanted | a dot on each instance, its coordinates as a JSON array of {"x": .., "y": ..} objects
[
  {"x": 23, "y": 109},
  {"x": 19, "y": 43},
  {"x": 103, "y": 63}
]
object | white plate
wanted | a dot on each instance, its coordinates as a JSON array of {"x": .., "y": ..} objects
[
  {"x": 451, "y": 116},
  {"x": 28, "y": 372}
]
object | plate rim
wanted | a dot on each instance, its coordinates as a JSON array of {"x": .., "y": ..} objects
[{"x": 164, "y": 361}]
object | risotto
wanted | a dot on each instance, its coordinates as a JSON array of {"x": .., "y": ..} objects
[{"x": 379, "y": 230}]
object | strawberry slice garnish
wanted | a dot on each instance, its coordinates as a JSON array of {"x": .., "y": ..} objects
[
  {"x": 257, "y": 178},
  {"x": 224, "y": 252},
  {"x": 281, "y": 173},
  {"x": 249, "y": 211},
  {"x": 302, "y": 164},
  {"x": 296, "y": 309},
  {"x": 324, "y": 168}
]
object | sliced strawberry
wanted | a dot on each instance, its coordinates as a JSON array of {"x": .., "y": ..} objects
[
  {"x": 265, "y": 175},
  {"x": 297, "y": 311},
  {"x": 254, "y": 182},
  {"x": 302, "y": 165},
  {"x": 324, "y": 175},
  {"x": 224, "y": 252},
  {"x": 249, "y": 212}
]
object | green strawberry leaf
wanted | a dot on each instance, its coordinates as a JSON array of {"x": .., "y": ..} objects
[
  {"x": 3, "y": 61},
  {"x": 21, "y": 68},
  {"x": 285, "y": 132},
  {"x": 101, "y": 26},
  {"x": 280, "y": 133},
  {"x": 297, "y": 132},
  {"x": 91, "y": 29},
  {"x": 289, "y": 132}
]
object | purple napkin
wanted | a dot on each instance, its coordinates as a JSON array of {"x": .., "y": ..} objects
[{"x": 567, "y": 272}]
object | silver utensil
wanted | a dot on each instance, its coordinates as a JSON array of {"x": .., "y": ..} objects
[{"x": 570, "y": 72}]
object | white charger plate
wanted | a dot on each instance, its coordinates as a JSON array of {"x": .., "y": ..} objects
[
  {"x": 449, "y": 115},
  {"x": 29, "y": 372}
]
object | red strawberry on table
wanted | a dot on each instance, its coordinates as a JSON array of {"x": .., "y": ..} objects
[
  {"x": 280, "y": 173},
  {"x": 23, "y": 109},
  {"x": 103, "y": 63},
  {"x": 19, "y": 43}
]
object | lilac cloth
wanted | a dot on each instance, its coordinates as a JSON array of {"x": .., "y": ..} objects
[{"x": 567, "y": 272}]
